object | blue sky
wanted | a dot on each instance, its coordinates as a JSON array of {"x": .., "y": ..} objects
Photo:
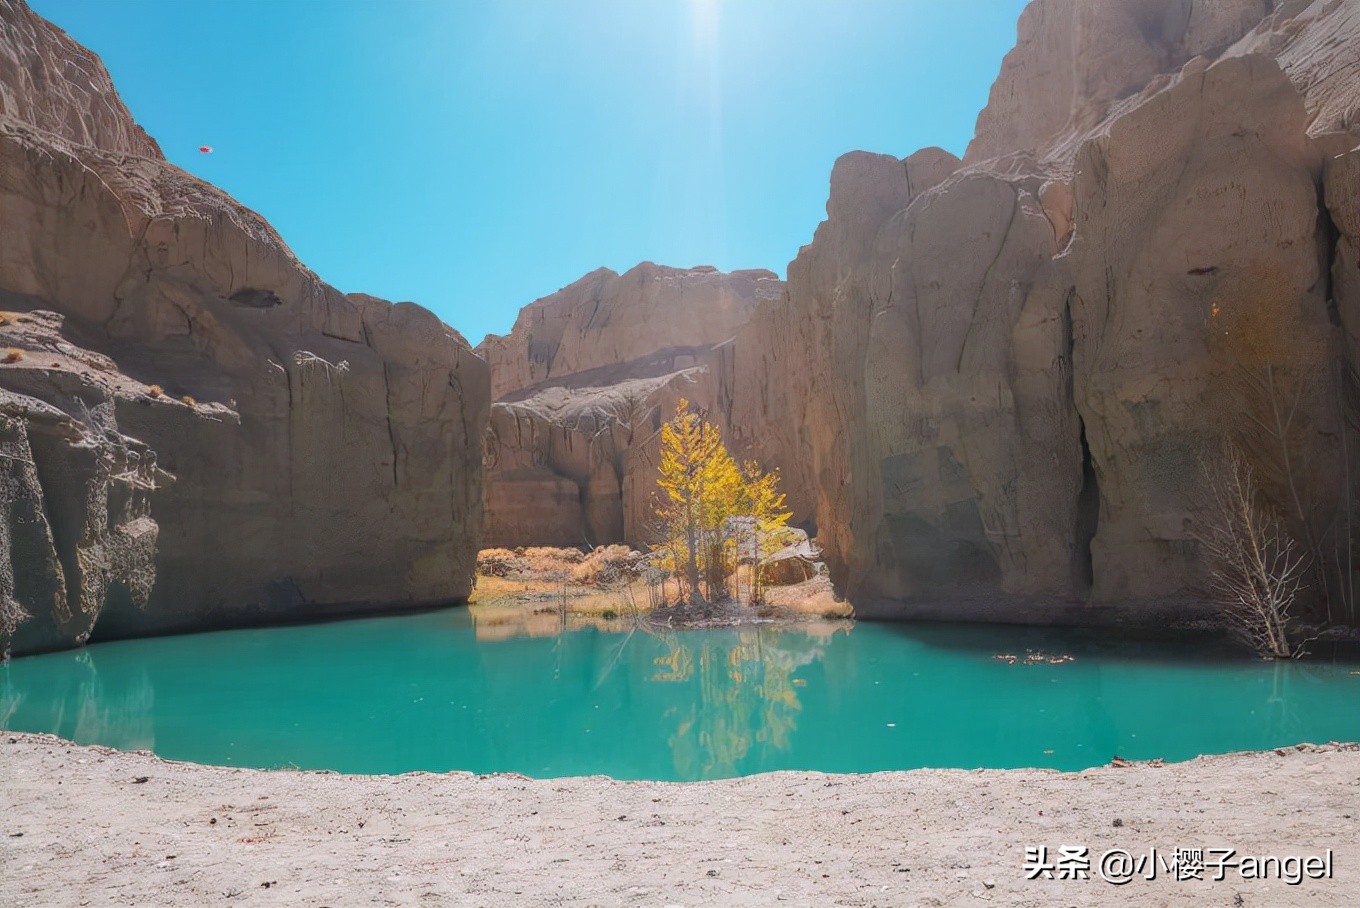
[{"x": 476, "y": 156}]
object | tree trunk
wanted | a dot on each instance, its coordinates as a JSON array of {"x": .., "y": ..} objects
[{"x": 692, "y": 568}]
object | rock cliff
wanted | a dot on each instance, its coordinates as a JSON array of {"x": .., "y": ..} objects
[
  {"x": 993, "y": 384},
  {"x": 997, "y": 378},
  {"x": 582, "y": 383},
  {"x": 1077, "y": 63},
  {"x": 197, "y": 431}
]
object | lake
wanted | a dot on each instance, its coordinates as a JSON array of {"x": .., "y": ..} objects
[{"x": 439, "y": 691}]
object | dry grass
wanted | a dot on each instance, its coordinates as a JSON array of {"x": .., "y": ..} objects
[
  {"x": 13, "y": 355},
  {"x": 156, "y": 391},
  {"x": 188, "y": 400},
  {"x": 539, "y": 590},
  {"x": 811, "y": 598},
  {"x": 607, "y": 565}
]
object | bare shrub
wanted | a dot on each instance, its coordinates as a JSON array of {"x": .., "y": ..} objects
[
  {"x": 497, "y": 562},
  {"x": 1255, "y": 568},
  {"x": 608, "y": 565},
  {"x": 546, "y": 557}
]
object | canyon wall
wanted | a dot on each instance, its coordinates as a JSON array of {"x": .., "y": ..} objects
[
  {"x": 997, "y": 387},
  {"x": 1001, "y": 379},
  {"x": 993, "y": 385},
  {"x": 582, "y": 384},
  {"x": 197, "y": 431}
]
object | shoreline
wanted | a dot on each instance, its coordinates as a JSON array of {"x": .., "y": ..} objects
[{"x": 79, "y": 821}]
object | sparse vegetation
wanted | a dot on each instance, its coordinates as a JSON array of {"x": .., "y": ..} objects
[
  {"x": 1256, "y": 569},
  {"x": 542, "y": 590},
  {"x": 188, "y": 400},
  {"x": 717, "y": 523},
  {"x": 1294, "y": 395},
  {"x": 603, "y": 567},
  {"x": 13, "y": 355},
  {"x": 156, "y": 391}
]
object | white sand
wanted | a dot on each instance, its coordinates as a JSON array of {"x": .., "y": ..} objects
[{"x": 77, "y": 828}]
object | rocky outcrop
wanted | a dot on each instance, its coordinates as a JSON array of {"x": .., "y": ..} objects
[
  {"x": 76, "y": 523},
  {"x": 55, "y": 84},
  {"x": 1317, "y": 44},
  {"x": 786, "y": 404},
  {"x": 577, "y": 467},
  {"x": 610, "y": 320},
  {"x": 931, "y": 316},
  {"x": 325, "y": 448},
  {"x": 1078, "y": 62},
  {"x": 998, "y": 378},
  {"x": 1198, "y": 265},
  {"x": 583, "y": 382}
]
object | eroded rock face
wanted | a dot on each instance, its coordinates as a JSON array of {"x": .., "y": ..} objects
[
  {"x": 1192, "y": 283},
  {"x": 50, "y": 81},
  {"x": 326, "y": 451},
  {"x": 1007, "y": 378},
  {"x": 78, "y": 537},
  {"x": 577, "y": 467},
  {"x": 608, "y": 320},
  {"x": 932, "y": 312},
  {"x": 1317, "y": 44},
  {"x": 584, "y": 381},
  {"x": 1078, "y": 62}
]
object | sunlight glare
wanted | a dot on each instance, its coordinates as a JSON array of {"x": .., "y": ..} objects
[{"x": 704, "y": 16}]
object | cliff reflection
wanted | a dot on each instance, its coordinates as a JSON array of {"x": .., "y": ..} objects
[{"x": 116, "y": 708}]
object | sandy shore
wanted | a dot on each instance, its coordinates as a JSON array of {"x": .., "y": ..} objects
[{"x": 91, "y": 826}]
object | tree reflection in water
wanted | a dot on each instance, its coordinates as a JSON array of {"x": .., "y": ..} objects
[{"x": 746, "y": 695}]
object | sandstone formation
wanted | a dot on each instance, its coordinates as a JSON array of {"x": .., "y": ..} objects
[
  {"x": 582, "y": 384},
  {"x": 1195, "y": 283},
  {"x": 607, "y": 319},
  {"x": 997, "y": 378},
  {"x": 992, "y": 385},
  {"x": 76, "y": 522},
  {"x": 53, "y": 83},
  {"x": 1078, "y": 62},
  {"x": 324, "y": 448}
]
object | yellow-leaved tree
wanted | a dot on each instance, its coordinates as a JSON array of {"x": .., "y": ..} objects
[
  {"x": 708, "y": 506},
  {"x": 765, "y": 504}
]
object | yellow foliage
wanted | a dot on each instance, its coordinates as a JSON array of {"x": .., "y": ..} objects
[{"x": 707, "y": 502}]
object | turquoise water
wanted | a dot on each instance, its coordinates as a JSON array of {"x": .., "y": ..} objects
[{"x": 423, "y": 692}]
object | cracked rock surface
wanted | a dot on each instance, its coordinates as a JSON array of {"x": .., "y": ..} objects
[{"x": 325, "y": 447}]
